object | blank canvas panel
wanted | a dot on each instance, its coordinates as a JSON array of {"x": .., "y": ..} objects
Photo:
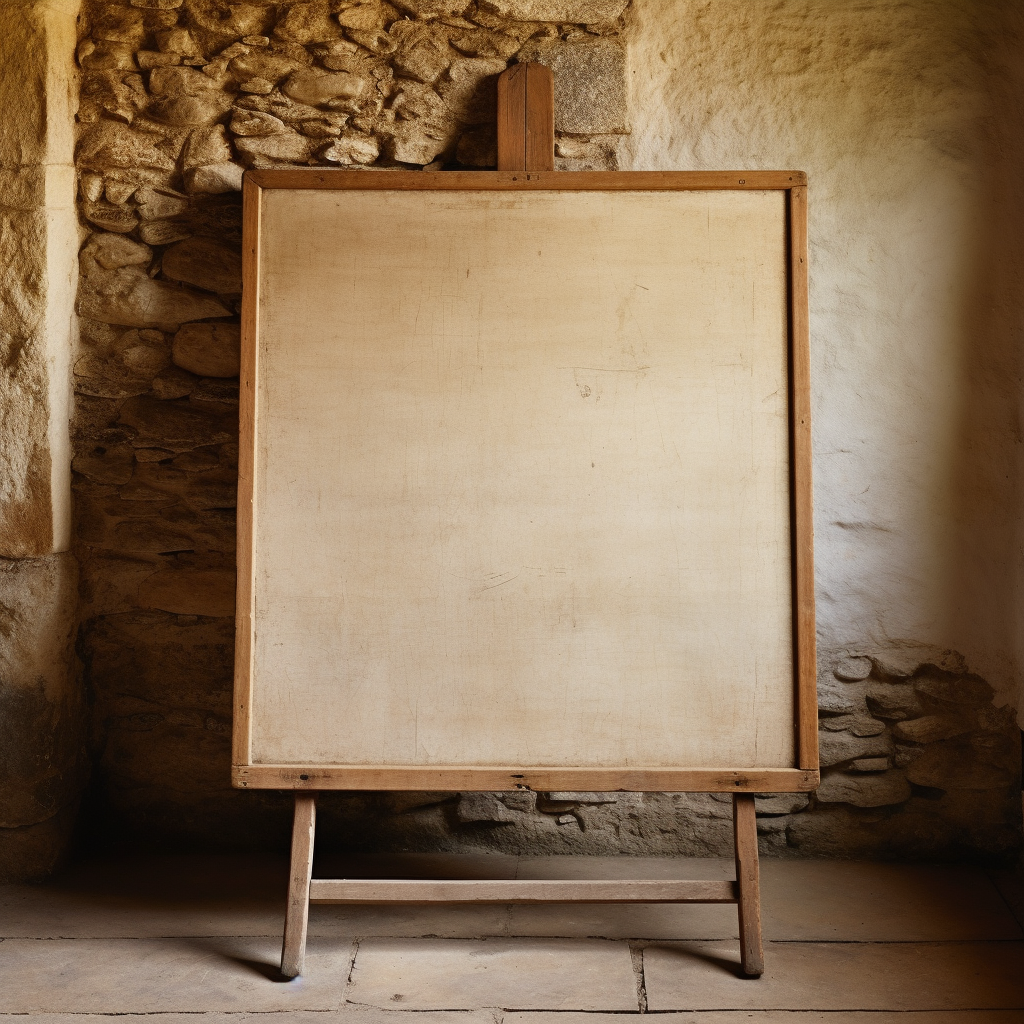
[{"x": 522, "y": 480}]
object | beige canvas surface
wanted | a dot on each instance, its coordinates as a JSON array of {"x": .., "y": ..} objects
[{"x": 522, "y": 480}]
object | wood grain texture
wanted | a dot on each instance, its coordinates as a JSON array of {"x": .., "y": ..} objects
[
  {"x": 348, "y": 891},
  {"x": 659, "y": 778},
  {"x": 512, "y": 118},
  {"x": 527, "y": 181},
  {"x": 241, "y": 732},
  {"x": 454, "y": 779},
  {"x": 540, "y": 118},
  {"x": 493, "y": 531},
  {"x": 802, "y": 490},
  {"x": 748, "y": 884},
  {"x": 526, "y": 118},
  {"x": 297, "y": 914}
]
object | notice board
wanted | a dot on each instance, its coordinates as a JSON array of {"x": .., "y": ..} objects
[{"x": 524, "y": 490}]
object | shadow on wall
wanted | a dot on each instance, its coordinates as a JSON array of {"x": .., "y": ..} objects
[{"x": 982, "y": 587}]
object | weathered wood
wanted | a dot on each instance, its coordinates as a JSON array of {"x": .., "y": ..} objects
[
  {"x": 520, "y": 891},
  {"x": 540, "y": 118},
  {"x": 244, "y": 589},
  {"x": 512, "y": 118},
  {"x": 748, "y": 884},
  {"x": 533, "y": 181},
  {"x": 526, "y": 118},
  {"x": 297, "y": 914},
  {"x": 805, "y": 656},
  {"x": 593, "y": 780},
  {"x": 247, "y": 775}
]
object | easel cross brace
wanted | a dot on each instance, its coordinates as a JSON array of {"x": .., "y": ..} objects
[{"x": 526, "y": 131}]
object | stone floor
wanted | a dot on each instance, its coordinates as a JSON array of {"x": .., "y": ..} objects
[{"x": 846, "y": 943}]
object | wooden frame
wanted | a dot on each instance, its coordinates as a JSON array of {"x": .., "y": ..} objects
[
  {"x": 803, "y": 775},
  {"x": 525, "y": 155},
  {"x": 303, "y": 889}
]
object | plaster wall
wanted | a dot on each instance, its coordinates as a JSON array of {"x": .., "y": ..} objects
[{"x": 907, "y": 118}]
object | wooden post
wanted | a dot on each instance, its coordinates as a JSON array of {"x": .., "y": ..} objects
[
  {"x": 297, "y": 914},
  {"x": 748, "y": 884},
  {"x": 526, "y": 118}
]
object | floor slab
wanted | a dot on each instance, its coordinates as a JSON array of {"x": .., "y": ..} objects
[
  {"x": 837, "y": 976},
  {"x": 373, "y": 1015},
  {"x": 783, "y": 1017},
  {"x": 543, "y": 974},
  {"x": 865, "y": 901},
  {"x": 814, "y": 900},
  {"x": 152, "y": 897},
  {"x": 346, "y": 1015},
  {"x": 116, "y": 976}
]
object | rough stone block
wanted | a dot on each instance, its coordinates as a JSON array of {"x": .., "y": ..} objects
[
  {"x": 307, "y": 23},
  {"x": 520, "y": 800},
  {"x": 583, "y": 798},
  {"x": 422, "y": 50},
  {"x": 892, "y": 701},
  {"x": 108, "y": 144},
  {"x": 902, "y": 660},
  {"x": 128, "y": 296},
  {"x": 352, "y": 148},
  {"x": 112, "y": 251},
  {"x": 949, "y": 689},
  {"x": 209, "y": 350},
  {"x": 780, "y": 803},
  {"x": 34, "y": 505},
  {"x": 863, "y": 790},
  {"x": 42, "y": 712},
  {"x": 177, "y": 426},
  {"x": 838, "y": 698},
  {"x": 852, "y": 668},
  {"x": 214, "y": 179},
  {"x": 836, "y": 747},
  {"x": 110, "y": 217},
  {"x": 469, "y": 89},
  {"x": 859, "y": 725},
  {"x": 316, "y": 87},
  {"x": 205, "y": 146},
  {"x": 284, "y": 147},
  {"x": 580, "y": 12},
  {"x": 419, "y": 142},
  {"x": 25, "y": 189},
  {"x": 590, "y": 83},
  {"x": 482, "y": 807},
  {"x": 206, "y": 264},
  {"x": 930, "y": 728},
  {"x": 432, "y": 8},
  {"x": 184, "y": 96}
]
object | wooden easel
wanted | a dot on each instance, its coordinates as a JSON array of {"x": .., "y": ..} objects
[{"x": 525, "y": 143}]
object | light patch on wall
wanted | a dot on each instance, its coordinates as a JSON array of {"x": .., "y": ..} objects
[{"x": 906, "y": 119}]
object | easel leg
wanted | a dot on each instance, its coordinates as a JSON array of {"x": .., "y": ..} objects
[
  {"x": 297, "y": 915},
  {"x": 749, "y": 884}
]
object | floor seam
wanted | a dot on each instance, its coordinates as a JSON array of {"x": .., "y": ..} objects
[{"x": 636, "y": 956}]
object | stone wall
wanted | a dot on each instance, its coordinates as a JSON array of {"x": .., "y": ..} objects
[
  {"x": 177, "y": 97},
  {"x": 42, "y": 715}
]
